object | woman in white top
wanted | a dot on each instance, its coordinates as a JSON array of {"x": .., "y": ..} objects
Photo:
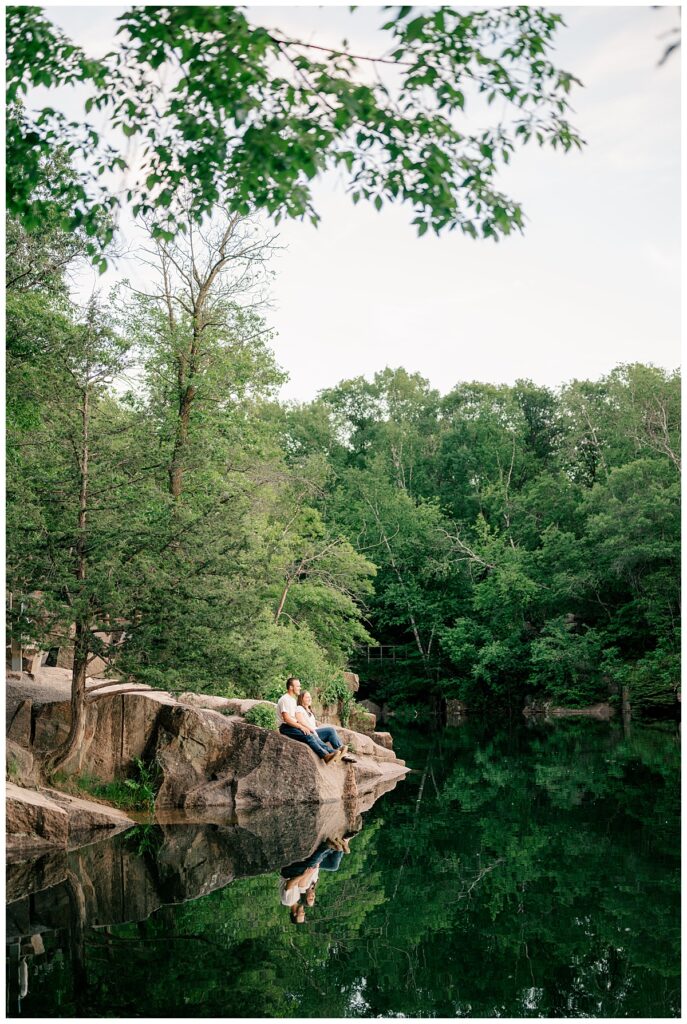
[
  {"x": 296, "y": 730},
  {"x": 299, "y": 892},
  {"x": 304, "y": 716}
]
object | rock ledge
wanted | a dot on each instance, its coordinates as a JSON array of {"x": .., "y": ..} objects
[{"x": 40, "y": 819}]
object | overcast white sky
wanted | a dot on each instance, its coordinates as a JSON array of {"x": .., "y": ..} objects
[{"x": 593, "y": 282}]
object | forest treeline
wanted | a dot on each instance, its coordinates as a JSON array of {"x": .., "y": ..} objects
[{"x": 502, "y": 543}]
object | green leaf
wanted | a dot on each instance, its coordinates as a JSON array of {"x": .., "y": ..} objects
[{"x": 415, "y": 28}]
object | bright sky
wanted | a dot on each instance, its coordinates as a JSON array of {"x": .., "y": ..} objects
[{"x": 594, "y": 281}]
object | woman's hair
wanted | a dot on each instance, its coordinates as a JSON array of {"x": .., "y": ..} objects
[
  {"x": 293, "y": 913},
  {"x": 301, "y": 695}
]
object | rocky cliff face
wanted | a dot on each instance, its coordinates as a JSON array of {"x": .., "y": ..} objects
[
  {"x": 209, "y": 757},
  {"x": 40, "y": 819}
]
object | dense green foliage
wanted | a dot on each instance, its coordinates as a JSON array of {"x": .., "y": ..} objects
[
  {"x": 150, "y": 500},
  {"x": 518, "y": 872},
  {"x": 526, "y": 541},
  {"x": 229, "y": 109},
  {"x": 502, "y": 543},
  {"x": 262, "y": 715},
  {"x": 171, "y": 516}
]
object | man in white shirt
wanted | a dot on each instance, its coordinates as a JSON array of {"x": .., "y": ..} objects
[{"x": 291, "y": 727}]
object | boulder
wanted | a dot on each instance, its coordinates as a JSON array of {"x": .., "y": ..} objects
[
  {"x": 21, "y": 768},
  {"x": 240, "y": 706},
  {"x": 48, "y": 818},
  {"x": 326, "y": 714},
  {"x": 208, "y": 759},
  {"x": 361, "y": 720},
  {"x": 65, "y": 657},
  {"x": 33, "y": 820},
  {"x": 33, "y": 660},
  {"x": 120, "y": 727},
  {"x": 374, "y": 709},
  {"x": 87, "y": 816},
  {"x": 352, "y": 681},
  {"x": 205, "y": 700},
  {"x": 19, "y": 726},
  {"x": 226, "y": 705},
  {"x": 384, "y": 739},
  {"x": 362, "y": 743}
]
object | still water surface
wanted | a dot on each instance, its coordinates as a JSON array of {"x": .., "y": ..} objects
[{"x": 530, "y": 870}]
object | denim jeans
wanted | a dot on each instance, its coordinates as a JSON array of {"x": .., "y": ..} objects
[
  {"x": 328, "y": 734},
  {"x": 313, "y": 741},
  {"x": 323, "y": 857}
]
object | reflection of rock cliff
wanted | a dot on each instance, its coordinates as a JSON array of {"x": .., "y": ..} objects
[{"x": 130, "y": 876}]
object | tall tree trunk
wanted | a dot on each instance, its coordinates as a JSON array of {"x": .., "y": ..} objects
[
  {"x": 77, "y": 727},
  {"x": 186, "y": 370},
  {"x": 176, "y": 468},
  {"x": 82, "y": 632}
]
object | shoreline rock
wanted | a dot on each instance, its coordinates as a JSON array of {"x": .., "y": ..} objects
[
  {"x": 38, "y": 819},
  {"x": 210, "y": 757}
]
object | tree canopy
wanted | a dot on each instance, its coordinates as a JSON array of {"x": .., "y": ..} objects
[
  {"x": 176, "y": 520},
  {"x": 250, "y": 117}
]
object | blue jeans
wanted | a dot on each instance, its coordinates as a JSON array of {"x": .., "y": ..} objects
[
  {"x": 313, "y": 741},
  {"x": 323, "y": 857},
  {"x": 328, "y": 734}
]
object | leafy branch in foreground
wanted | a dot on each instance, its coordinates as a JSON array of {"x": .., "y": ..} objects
[{"x": 239, "y": 113}]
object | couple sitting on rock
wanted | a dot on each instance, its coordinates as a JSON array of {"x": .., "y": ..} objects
[{"x": 299, "y": 723}]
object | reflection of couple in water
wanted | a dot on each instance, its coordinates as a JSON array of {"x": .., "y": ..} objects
[{"x": 298, "y": 881}]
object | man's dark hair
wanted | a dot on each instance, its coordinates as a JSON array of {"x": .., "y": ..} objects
[{"x": 290, "y": 681}]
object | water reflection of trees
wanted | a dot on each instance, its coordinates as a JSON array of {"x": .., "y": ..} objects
[
  {"x": 550, "y": 870},
  {"x": 528, "y": 872}
]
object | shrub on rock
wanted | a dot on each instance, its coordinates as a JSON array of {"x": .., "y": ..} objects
[{"x": 263, "y": 715}]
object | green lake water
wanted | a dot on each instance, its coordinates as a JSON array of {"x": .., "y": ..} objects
[{"x": 530, "y": 870}]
